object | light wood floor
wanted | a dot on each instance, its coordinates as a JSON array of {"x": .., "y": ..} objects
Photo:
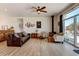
[{"x": 35, "y": 47}]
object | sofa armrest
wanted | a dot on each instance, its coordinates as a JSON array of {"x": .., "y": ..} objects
[
  {"x": 58, "y": 38},
  {"x": 28, "y": 33},
  {"x": 17, "y": 37}
]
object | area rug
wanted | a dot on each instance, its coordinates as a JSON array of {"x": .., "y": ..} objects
[{"x": 76, "y": 51}]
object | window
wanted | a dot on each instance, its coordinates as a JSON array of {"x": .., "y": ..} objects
[
  {"x": 69, "y": 30},
  {"x": 71, "y": 26},
  {"x": 72, "y": 13}
]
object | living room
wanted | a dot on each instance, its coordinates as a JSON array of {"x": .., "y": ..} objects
[{"x": 31, "y": 29}]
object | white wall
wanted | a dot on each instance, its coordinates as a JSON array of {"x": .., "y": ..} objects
[
  {"x": 15, "y": 21},
  {"x": 56, "y": 26},
  {"x": 46, "y": 23},
  {"x": 3, "y": 20},
  {"x": 8, "y": 22}
]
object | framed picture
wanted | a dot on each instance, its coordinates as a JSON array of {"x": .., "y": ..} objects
[{"x": 38, "y": 24}]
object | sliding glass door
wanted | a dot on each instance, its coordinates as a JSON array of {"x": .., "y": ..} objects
[
  {"x": 71, "y": 26},
  {"x": 77, "y": 29},
  {"x": 69, "y": 30}
]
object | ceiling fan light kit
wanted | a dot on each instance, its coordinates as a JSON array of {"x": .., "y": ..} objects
[{"x": 38, "y": 12}]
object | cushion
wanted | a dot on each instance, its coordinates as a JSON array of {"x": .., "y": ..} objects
[
  {"x": 16, "y": 35},
  {"x": 21, "y": 34},
  {"x": 25, "y": 33}
]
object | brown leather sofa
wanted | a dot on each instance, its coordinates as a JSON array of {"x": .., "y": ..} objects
[{"x": 17, "y": 39}]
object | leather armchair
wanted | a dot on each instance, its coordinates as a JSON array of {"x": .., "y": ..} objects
[{"x": 59, "y": 38}]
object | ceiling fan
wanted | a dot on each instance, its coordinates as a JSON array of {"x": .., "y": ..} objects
[{"x": 40, "y": 9}]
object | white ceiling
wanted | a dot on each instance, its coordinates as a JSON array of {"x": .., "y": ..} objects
[{"x": 25, "y": 9}]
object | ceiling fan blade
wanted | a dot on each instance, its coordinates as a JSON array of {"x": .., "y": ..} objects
[
  {"x": 43, "y": 7},
  {"x": 34, "y": 10},
  {"x": 44, "y": 11},
  {"x": 34, "y": 7}
]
